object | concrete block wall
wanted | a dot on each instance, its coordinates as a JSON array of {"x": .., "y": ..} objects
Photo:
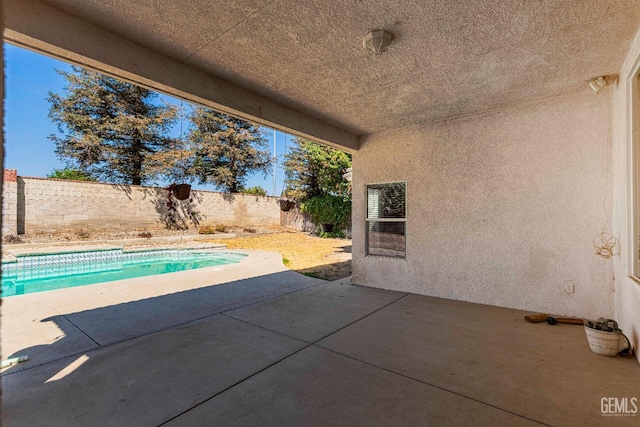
[
  {"x": 295, "y": 219},
  {"x": 39, "y": 205}
]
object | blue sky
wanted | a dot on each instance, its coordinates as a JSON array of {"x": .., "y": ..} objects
[{"x": 29, "y": 77}]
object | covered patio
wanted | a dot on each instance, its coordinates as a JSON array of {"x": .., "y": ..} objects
[{"x": 285, "y": 349}]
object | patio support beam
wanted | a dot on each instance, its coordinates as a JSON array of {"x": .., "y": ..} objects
[{"x": 38, "y": 26}]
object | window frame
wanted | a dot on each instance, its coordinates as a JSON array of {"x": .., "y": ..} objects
[
  {"x": 401, "y": 220},
  {"x": 634, "y": 173}
]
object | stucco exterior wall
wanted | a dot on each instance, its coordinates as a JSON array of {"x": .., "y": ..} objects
[
  {"x": 51, "y": 206},
  {"x": 627, "y": 289},
  {"x": 502, "y": 207}
]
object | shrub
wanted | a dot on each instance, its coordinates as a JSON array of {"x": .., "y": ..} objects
[
  {"x": 334, "y": 235},
  {"x": 71, "y": 174},
  {"x": 207, "y": 229},
  {"x": 145, "y": 235},
  {"x": 328, "y": 210},
  {"x": 221, "y": 228},
  {"x": 256, "y": 191},
  {"x": 249, "y": 230},
  {"x": 82, "y": 235},
  {"x": 11, "y": 239}
]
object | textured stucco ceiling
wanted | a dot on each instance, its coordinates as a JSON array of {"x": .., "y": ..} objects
[{"x": 448, "y": 58}]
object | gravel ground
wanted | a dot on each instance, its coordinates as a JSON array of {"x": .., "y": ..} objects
[{"x": 81, "y": 236}]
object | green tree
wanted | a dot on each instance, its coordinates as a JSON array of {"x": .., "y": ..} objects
[
  {"x": 256, "y": 191},
  {"x": 314, "y": 170},
  {"x": 226, "y": 150},
  {"x": 71, "y": 174},
  {"x": 314, "y": 179},
  {"x": 113, "y": 130}
]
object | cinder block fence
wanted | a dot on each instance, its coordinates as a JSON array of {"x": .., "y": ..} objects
[{"x": 43, "y": 205}]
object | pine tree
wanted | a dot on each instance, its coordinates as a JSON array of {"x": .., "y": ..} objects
[
  {"x": 112, "y": 130},
  {"x": 225, "y": 150}
]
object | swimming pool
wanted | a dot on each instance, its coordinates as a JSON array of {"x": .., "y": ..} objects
[{"x": 38, "y": 273}]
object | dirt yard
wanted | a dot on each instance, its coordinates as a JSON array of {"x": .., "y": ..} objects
[{"x": 328, "y": 259}]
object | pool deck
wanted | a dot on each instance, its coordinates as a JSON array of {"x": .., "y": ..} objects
[
  {"x": 254, "y": 344},
  {"x": 53, "y": 324}
]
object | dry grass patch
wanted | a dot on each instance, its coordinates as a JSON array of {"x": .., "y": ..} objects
[{"x": 328, "y": 259}]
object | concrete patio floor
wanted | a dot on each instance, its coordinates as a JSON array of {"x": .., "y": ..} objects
[{"x": 256, "y": 344}]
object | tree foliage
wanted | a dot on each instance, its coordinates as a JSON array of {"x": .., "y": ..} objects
[
  {"x": 256, "y": 191},
  {"x": 113, "y": 130},
  {"x": 314, "y": 179},
  {"x": 314, "y": 170},
  {"x": 70, "y": 174},
  {"x": 225, "y": 150},
  {"x": 329, "y": 209}
]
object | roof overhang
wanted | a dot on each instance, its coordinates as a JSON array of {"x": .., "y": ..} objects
[{"x": 299, "y": 65}]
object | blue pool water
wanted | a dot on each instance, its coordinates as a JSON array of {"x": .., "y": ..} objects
[{"x": 48, "y": 272}]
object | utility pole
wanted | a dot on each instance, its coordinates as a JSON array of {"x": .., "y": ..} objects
[{"x": 275, "y": 162}]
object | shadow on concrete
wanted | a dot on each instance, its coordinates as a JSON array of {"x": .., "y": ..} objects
[
  {"x": 362, "y": 356},
  {"x": 336, "y": 267},
  {"x": 137, "y": 349},
  {"x": 121, "y": 322},
  {"x": 330, "y": 271}
]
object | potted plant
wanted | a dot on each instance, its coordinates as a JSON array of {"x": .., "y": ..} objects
[
  {"x": 181, "y": 191},
  {"x": 604, "y": 337}
]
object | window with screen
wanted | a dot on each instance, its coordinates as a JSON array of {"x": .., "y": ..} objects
[{"x": 386, "y": 219}]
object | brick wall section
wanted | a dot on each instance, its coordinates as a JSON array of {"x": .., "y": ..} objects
[
  {"x": 53, "y": 206},
  {"x": 10, "y": 175}
]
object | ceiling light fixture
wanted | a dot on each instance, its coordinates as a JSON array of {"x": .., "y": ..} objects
[
  {"x": 598, "y": 84},
  {"x": 377, "y": 41}
]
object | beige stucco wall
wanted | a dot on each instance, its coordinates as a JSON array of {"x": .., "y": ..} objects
[
  {"x": 627, "y": 290},
  {"x": 502, "y": 206},
  {"x": 52, "y": 206}
]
